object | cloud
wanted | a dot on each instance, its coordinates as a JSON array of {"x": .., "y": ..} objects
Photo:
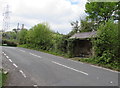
[{"x": 58, "y": 13}]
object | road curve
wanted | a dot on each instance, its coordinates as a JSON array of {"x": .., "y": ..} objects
[{"x": 49, "y": 70}]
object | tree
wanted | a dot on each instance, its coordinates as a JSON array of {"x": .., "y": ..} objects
[
  {"x": 87, "y": 26},
  {"x": 102, "y": 11},
  {"x": 82, "y": 26},
  {"x": 107, "y": 44},
  {"x": 15, "y": 30},
  {"x": 22, "y": 36},
  {"x": 75, "y": 26},
  {"x": 40, "y": 36}
]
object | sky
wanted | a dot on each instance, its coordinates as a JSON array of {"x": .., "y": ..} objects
[{"x": 57, "y": 13}]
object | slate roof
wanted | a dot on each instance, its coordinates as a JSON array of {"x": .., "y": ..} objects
[{"x": 84, "y": 35}]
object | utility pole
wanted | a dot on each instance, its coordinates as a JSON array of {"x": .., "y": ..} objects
[
  {"x": 18, "y": 27},
  {"x": 6, "y": 19}
]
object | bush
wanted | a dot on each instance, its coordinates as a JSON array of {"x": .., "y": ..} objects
[
  {"x": 21, "y": 36},
  {"x": 9, "y": 43},
  {"x": 107, "y": 43}
]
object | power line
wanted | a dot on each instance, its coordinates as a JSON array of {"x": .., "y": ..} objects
[{"x": 6, "y": 19}]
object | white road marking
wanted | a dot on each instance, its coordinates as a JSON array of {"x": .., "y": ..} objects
[
  {"x": 75, "y": 61},
  {"x": 10, "y": 60},
  {"x": 104, "y": 68},
  {"x": 111, "y": 82},
  {"x": 7, "y": 57},
  {"x": 15, "y": 65},
  {"x": 4, "y": 54},
  {"x": 22, "y": 51},
  {"x": 35, "y": 55},
  {"x": 22, "y": 73},
  {"x": 35, "y": 85},
  {"x": 95, "y": 66},
  {"x": 70, "y": 68}
]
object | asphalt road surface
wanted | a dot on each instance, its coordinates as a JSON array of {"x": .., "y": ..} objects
[{"x": 49, "y": 70}]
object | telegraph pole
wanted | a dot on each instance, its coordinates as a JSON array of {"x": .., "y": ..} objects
[{"x": 6, "y": 19}]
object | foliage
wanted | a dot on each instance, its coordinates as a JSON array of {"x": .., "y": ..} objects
[
  {"x": 87, "y": 26},
  {"x": 9, "y": 42},
  {"x": 60, "y": 43},
  {"x": 21, "y": 36},
  {"x": 107, "y": 44},
  {"x": 40, "y": 36},
  {"x": 82, "y": 26},
  {"x": 93, "y": 61},
  {"x": 102, "y": 11},
  {"x": 70, "y": 47},
  {"x": 76, "y": 26},
  {"x": 3, "y": 78}
]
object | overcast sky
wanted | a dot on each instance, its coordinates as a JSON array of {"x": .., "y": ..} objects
[{"x": 57, "y": 13}]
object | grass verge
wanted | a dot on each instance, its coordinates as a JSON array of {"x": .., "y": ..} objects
[
  {"x": 45, "y": 51},
  {"x": 92, "y": 61},
  {"x": 3, "y": 77}
]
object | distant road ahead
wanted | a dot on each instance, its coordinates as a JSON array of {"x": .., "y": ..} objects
[{"x": 49, "y": 70}]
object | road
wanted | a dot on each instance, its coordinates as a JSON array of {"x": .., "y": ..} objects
[
  {"x": 15, "y": 77},
  {"x": 49, "y": 70}
]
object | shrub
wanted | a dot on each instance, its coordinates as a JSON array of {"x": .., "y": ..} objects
[
  {"x": 9, "y": 43},
  {"x": 107, "y": 43}
]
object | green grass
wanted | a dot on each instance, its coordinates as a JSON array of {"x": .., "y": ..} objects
[
  {"x": 113, "y": 66},
  {"x": 3, "y": 78},
  {"x": 45, "y": 51}
]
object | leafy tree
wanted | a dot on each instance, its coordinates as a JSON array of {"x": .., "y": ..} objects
[
  {"x": 87, "y": 26},
  {"x": 15, "y": 30},
  {"x": 102, "y": 11},
  {"x": 107, "y": 44},
  {"x": 21, "y": 36},
  {"x": 12, "y": 35},
  {"x": 82, "y": 26},
  {"x": 75, "y": 26},
  {"x": 40, "y": 36},
  {"x": 29, "y": 37},
  {"x": 61, "y": 44}
]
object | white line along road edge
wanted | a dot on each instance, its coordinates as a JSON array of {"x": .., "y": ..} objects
[
  {"x": 75, "y": 61},
  {"x": 22, "y": 51},
  {"x": 70, "y": 68},
  {"x": 104, "y": 68}
]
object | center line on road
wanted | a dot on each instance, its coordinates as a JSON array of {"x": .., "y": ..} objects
[
  {"x": 15, "y": 65},
  {"x": 22, "y": 73},
  {"x": 70, "y": 68},
  {"x": 7, "y": 57},
  {"x": 10, "y": 60},
  {"x": 35, "y": 55},
  {"x": 35, "y": 86}
]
